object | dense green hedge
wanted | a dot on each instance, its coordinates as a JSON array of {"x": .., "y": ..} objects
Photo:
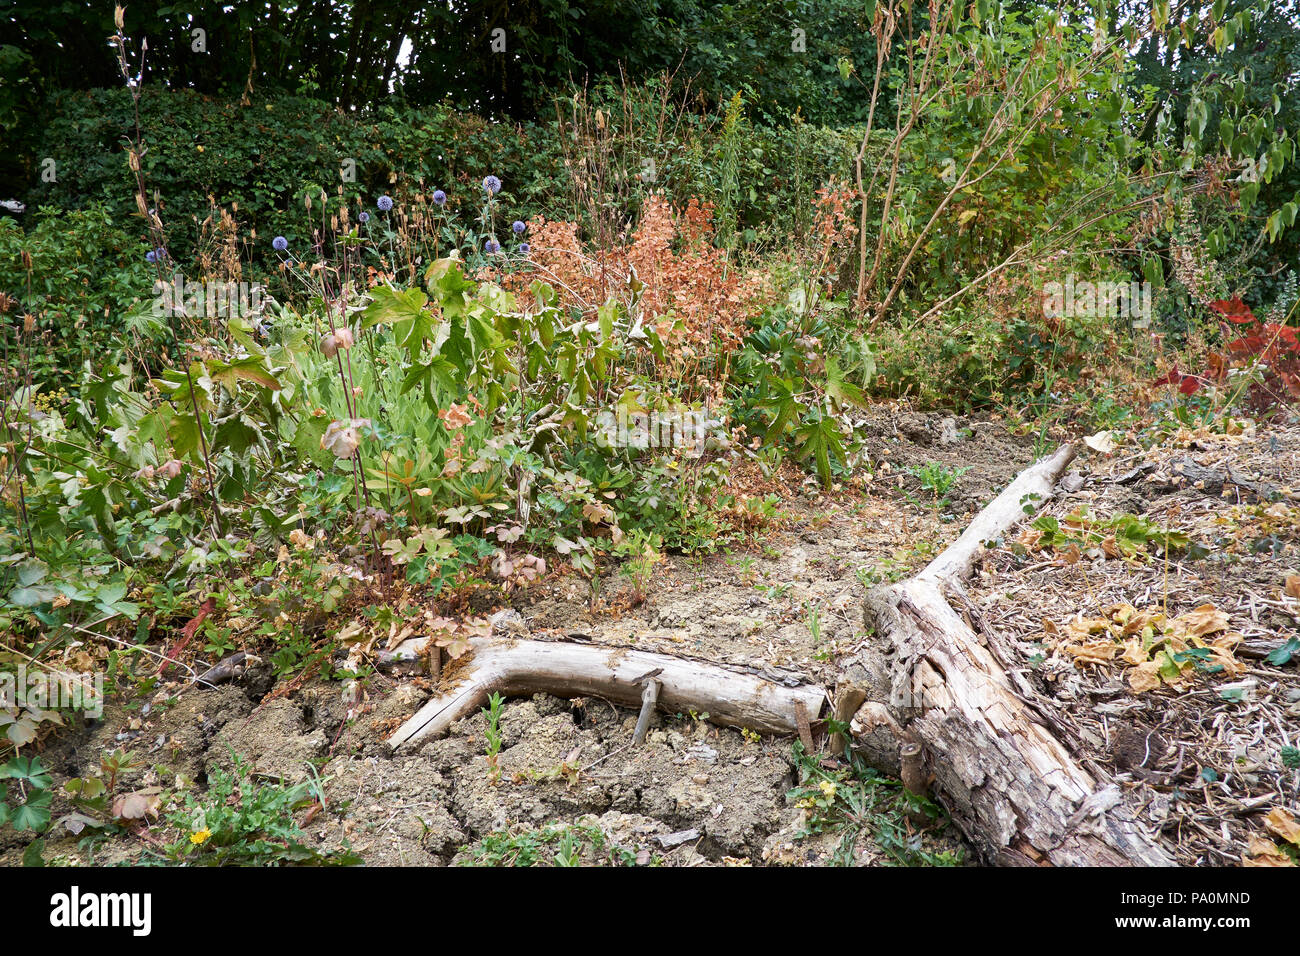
[
  {"x": 268, "y": 155},
  {"x": 86, "y": 272}
]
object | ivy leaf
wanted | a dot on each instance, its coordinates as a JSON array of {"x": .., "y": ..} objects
[{"x": 1281, "y": 656}]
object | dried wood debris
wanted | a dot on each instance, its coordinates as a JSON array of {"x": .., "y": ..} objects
[{"x": 1152, "y": 616}]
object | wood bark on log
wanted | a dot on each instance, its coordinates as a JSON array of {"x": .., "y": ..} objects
[
  {"x": 997, "y": 766},
  {"x": 618, "y": 674}
]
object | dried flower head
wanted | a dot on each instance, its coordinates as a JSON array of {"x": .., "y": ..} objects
[
  {"x": 343, "y": 438},
  {"x": 455, "y": 417}
]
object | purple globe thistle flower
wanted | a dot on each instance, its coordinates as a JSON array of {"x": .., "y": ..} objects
[
  {"x": 492, "y": 247},
  {"x": 364, "y": 217},
  {"x": 524, "y": 248},
  {"x": 519, "y": 227},
  {"x": 385, "y": 203},
  {"x": 279, "y": 243},
  {"x": 439, "y": 197},
  {"x": 491, "y": 185}
]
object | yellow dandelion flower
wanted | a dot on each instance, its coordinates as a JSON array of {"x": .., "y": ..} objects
[{"x": 200, "y": 837}]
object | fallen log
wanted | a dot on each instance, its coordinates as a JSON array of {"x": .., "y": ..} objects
[
  {"x": 992, "y": 760},
  {"x": 523, "y": 667}
]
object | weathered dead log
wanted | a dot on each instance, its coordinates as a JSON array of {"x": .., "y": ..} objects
[
  {"x": 522, "y": 667},
  {"x": 998, "y": 768}
]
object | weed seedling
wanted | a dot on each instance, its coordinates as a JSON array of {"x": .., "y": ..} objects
[
  {"x": 937, "y": 479},
  {"x": 493, "y": 714}
]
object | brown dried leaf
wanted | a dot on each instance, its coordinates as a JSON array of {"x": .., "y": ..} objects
[
  {"x": 1081, "y": 628},
  {"x": 1280, "y": 821},
  {"x": 1133, "y": 652},
  {"x": 1092, "y": 651},
  {"x": 1261, "y": 852},
  {"x": 1144, "y": 677},
  {"x": 1206, "y": 619},
  {"x": 1068, "y": 555},
  {"x": 1103, "y": 442}
]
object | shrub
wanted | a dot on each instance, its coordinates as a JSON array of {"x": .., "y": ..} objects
[{"x": 77, "y": 273}]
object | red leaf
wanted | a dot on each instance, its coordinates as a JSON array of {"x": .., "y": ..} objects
[
  {"x": 1283, "y": 332},
  {"x": 1248, "y": 345},
  {"x": 1234, "y": 310},
  {"x": 187, "y": 633},
  {"x": 1186, "y": 383}
]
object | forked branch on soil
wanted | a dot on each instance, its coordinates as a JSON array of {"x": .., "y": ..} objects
[
  {"x": 566, "y": 669},
  {"x": 997, "y": 764}
]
